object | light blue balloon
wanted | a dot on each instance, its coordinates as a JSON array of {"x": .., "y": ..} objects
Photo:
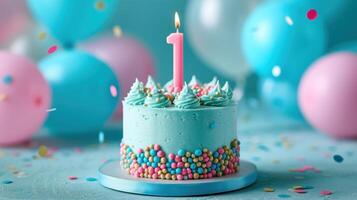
[
  {"x": 81, "y": 94},
  {"x": 278, "y": 34},
  {"x": 73, "y": 20},
  {"x": 281, "y": 96}
]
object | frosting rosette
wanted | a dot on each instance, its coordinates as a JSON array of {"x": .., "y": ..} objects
[
  {"x": 156, "y": 99},
  {"x": 187, "y": 99},
  {"x": 215, "y": 97},
  {"x": 136, "y": 96},
  {"x": 227, "y": 90}
]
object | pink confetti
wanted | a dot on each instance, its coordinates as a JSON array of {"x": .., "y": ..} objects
[
  {"x": 72, "y": 177},
  {"x": 52, "y": 49},
  {"x": 305, "y": 168},
  {"x": 326, "y": 192},
  {"x": 311, "y": 14},
  {"x": 113, "y": 91}
]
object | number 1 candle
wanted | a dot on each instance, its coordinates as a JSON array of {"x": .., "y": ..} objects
[{"x": 176, "y": 39}]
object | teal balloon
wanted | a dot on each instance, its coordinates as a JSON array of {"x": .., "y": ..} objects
[
  {"x": 280, "y": 96},
  {"x": 73, "y": 20},
  {"x": 81, "y": 92},
  {"x": 346, "y": 46},
  {"x": 279, "y": 35}
]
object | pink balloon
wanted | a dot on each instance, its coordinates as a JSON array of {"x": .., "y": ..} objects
[
  {"x": 328, "y": 95},
  {"x": 13, "y": 18},
  {"x": 24, "y": 98},
  {"x": 127, "y": 57}
]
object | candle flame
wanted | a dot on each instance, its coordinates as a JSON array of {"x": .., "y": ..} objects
[{"x": 177, "y": 21}]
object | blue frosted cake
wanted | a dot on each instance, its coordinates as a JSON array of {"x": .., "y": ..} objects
[{"x": 188, "y": 135}]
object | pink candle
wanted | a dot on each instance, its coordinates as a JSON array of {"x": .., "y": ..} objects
[{"x": 176, "y": 39}]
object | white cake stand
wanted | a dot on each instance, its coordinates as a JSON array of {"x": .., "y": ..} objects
[{"x": 111, "y": 175}]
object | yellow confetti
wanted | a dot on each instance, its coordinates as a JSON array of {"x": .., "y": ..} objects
[
  {"x": 268, "y": 189},
  {"x": 42, "y": 35},
  {"x": 117, "y": 32},
  {"x": 3, "y": 97},
  {"x": 100, "y": 5},
  {"x": 42, "y": 151}
]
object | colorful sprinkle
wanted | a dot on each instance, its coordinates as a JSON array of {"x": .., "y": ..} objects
[
  {"x": 52, "y": 49},
  {"x": 113, "y": 91},
  {"x": 186, "y": 165},
  {"x": 51, "y": 109},
  {"x": 42, "y": 35},
  {"x": 7, "y": 79},
  {"x": 326, "y": 192},
  {"x": 338, "y": 158},
  {"x": 311, "y": 14},
  {"x": 212, "y": 125},
  {"x": 91, "y": 179},
  {"x": 269, "y": 189},
  {"x": 42, "y": 151},
  {"x": 72, "y": 178},
  {"x": 284, "y": 196},
  {"x": 7, "y": 182}
]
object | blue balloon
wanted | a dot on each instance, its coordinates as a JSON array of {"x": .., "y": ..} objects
[
  {"x": 281, "y": 96},
  {"x": 278, "y": 40},
  {"x": 81, "y": 93},
  {"x": 73, "y": 20}
]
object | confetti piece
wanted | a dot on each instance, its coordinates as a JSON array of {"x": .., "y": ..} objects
[
  {"x": 113, "y": 91},
  {"x": 263, "y": 147},
  {"x": 300, "y": 191},
  {"x": 283, "y": 196},
  {"x": 289, "y": 21},
  {"x": 42, "y": 35},
  {"x": 311, "y": 14},
  {"x": 52, "y": 49},
  {"x": 7, "y": 79},
  {"x": 338, "y": 158},
  {"x": 91, "y": 179},
  {"x": 304, "y": 169},
  {"x": 72, "y": 178},
  {"x": 100, "y": 5},
  {"x": 42, "y": 151},
  {"x": 6, "y": 182},
  {"x": 3, "y": 97},
  {"x": 51, "y": 110},
  {"x": 101, "y": 137},
  {"x": 117, "y": 32},
  {"x": 268, "y": 189},
  {"x": 326, "y": 192}
]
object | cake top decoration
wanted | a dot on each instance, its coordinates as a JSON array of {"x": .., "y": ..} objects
[
  {"x": 187, "y": 99},
  {"x": 227, "y": 90},
  {"x": 136, "y": 95},
  {"x": 193, "y": 95},
  {"x": 156, "y": 99},
  {"x": 215, "y": 97}
]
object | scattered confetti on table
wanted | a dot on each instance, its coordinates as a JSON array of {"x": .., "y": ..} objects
[
  {"x": 311, "y": 14},
  {"x": 52, "y": 49},
  {"x": 91, "y": 179},
  {"x": 72, "y": 178},
  {"x": 100, "y": 5},
  {"x": 7, "y": 182},
  {"x": 338, "y": 158},
  {"x": 268, "y": 189},
  {"x": 326, "y": 192},
  {"x": 43, "y": 151}
]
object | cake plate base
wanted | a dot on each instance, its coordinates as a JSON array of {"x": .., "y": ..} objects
[{"x": 111, "y": 175}]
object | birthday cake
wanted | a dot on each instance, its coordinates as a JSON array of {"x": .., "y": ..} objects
[{"x": 180, "y": 135}]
